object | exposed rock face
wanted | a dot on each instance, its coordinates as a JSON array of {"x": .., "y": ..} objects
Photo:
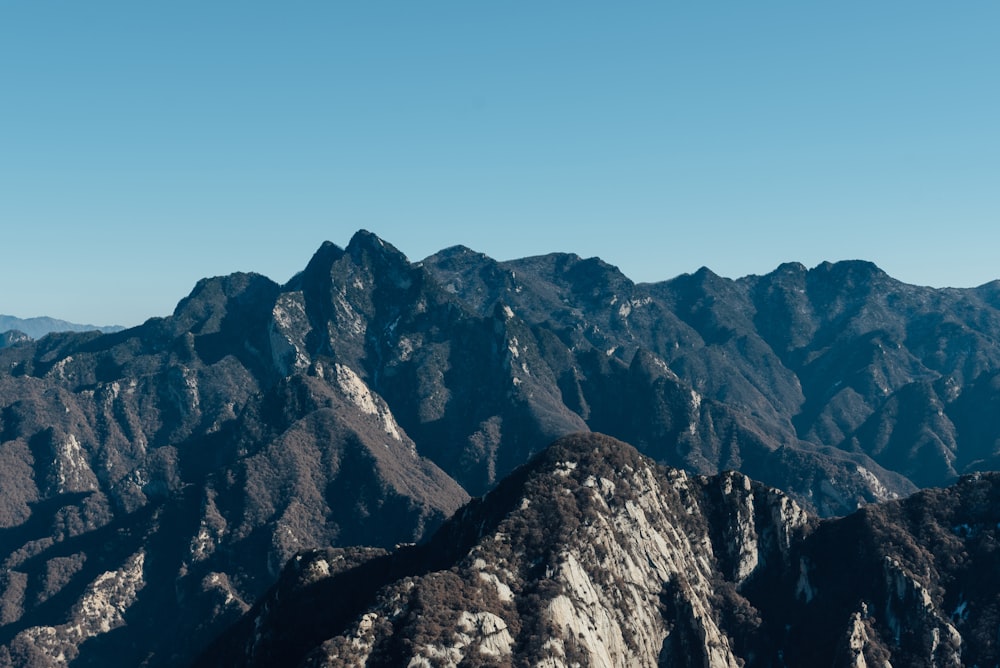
[
  {"x": 360, "y": 402},
  {"x": 203, "y": 443},
  {"x": 97, "y": 612},
  {"x": 13, "y": 336},
  {"x": 913, "y": 582},
  {"x": 840, "y": 370},
  {"x": 592, "y": 555}
]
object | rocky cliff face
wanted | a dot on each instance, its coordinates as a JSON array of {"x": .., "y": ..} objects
[
  {"x": 594, "y": 555},
  {"x": 910, "y": 582},
  {"x": 361, "y": 402},
  {"x": 590, "y": 555},
  {"x": 838, "y": 370},
  {"x": 189, "y": 459}
]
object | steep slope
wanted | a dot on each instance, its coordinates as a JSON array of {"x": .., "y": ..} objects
[
  {"x": 171, "y": 469},
  {"x": 183, "y": 462},
  {"x": 913, "y": 582},
  {"x": 466, "y": 387},
  {"x": 593, "y": 555},
  {"x": 589, "y": 555},
  {"x": 826, "y": 361}
]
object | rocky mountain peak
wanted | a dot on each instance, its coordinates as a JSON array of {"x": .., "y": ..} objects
[
  {"x": 366, "y": 243},
  {"x": 841, "y": 267},
  {"x": 319, "y": 265},
  {"x": 588, "y": 555},
  {"x": 792, "y": 268},
  {"x": 850, "y": 274},
  {"x": 213, "y": 300},
  {"x": 704, "y": 278},
  {"x": 587, "y": 454},
  {"x": 593, "y": 555},
  {"x": 571, "y": 269},
  {"x": 361, "y": 401},
  {"x": 456, "y": 253}
]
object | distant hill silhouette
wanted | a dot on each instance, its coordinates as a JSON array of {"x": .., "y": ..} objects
[{"x": 38, "y": 327}]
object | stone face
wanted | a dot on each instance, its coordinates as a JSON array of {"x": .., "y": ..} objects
[
  {"x": 98, "y": 611},
  {"x": 594, "y": 555},
  {"x": 590, "y": 555}
]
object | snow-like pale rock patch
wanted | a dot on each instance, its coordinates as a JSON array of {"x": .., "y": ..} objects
[
  {"x": 358, "y": 393},
  {"x": 99, "y": 610},
  {"x": 504, "y": 592},
  {"x": 72, "y": 470},
  {"x": 857, "y": 640},
  {"x": 289, "y": 327},
  {"x": 586, "y": 616},
  {"x": 878, "y": 489},
  {"x": 563, "y": 469},
  {"x": 490, "y": 630}
]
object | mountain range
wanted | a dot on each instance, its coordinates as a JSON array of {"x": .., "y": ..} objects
[
  {"x": 36, "y": 328},
  {"x": 159, "y": 480}
]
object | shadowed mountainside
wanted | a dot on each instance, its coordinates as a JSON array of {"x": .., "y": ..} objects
[{"x": 156, "y": 479}]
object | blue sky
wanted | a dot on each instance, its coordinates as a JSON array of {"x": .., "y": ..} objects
[{"x": 145, "y": 145}]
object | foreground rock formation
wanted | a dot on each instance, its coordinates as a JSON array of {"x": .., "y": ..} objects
[{"x": 593, "y": 555}]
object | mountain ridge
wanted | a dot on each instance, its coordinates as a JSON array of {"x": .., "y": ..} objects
[
  {"x": 38, "y": 327},
  {"x": 591, "y": 554},
  {"x": 365, "y": 399}
]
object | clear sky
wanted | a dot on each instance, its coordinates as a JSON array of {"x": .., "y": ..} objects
[{"x": 144, "y": 145}]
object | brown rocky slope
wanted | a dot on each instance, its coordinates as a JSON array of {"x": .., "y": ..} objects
[{"x": 593, "y": 555}]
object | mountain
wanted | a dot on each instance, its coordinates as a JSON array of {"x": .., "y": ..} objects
[
  {"x": 594, "y": 555},
  {"x": 12, "y": 336},
  {"x": 157, "y": 479},
  {"x": 840, "y": 369},
  {"x": 36, "y": 328}
]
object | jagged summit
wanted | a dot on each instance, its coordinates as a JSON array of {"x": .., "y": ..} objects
[
  {"x": 455, "y": 252},
  {"x": 177, "y": 464},
  {"x": 690, "y": 291},
  {"x": 362, "y": 243},
  {"x": 705, "y": 274},
  {"x": 365, "y": 241},
  {"x": 590, "y": 452},
  {"x": 842, "y": 267},
  {"x": 790, "y": 268},
  {"x": 320, "y": 263},
  {"x": 571, "y": 265},
  {"x": 590, "y": 554},
  {"x": 593, "y": 555}
]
